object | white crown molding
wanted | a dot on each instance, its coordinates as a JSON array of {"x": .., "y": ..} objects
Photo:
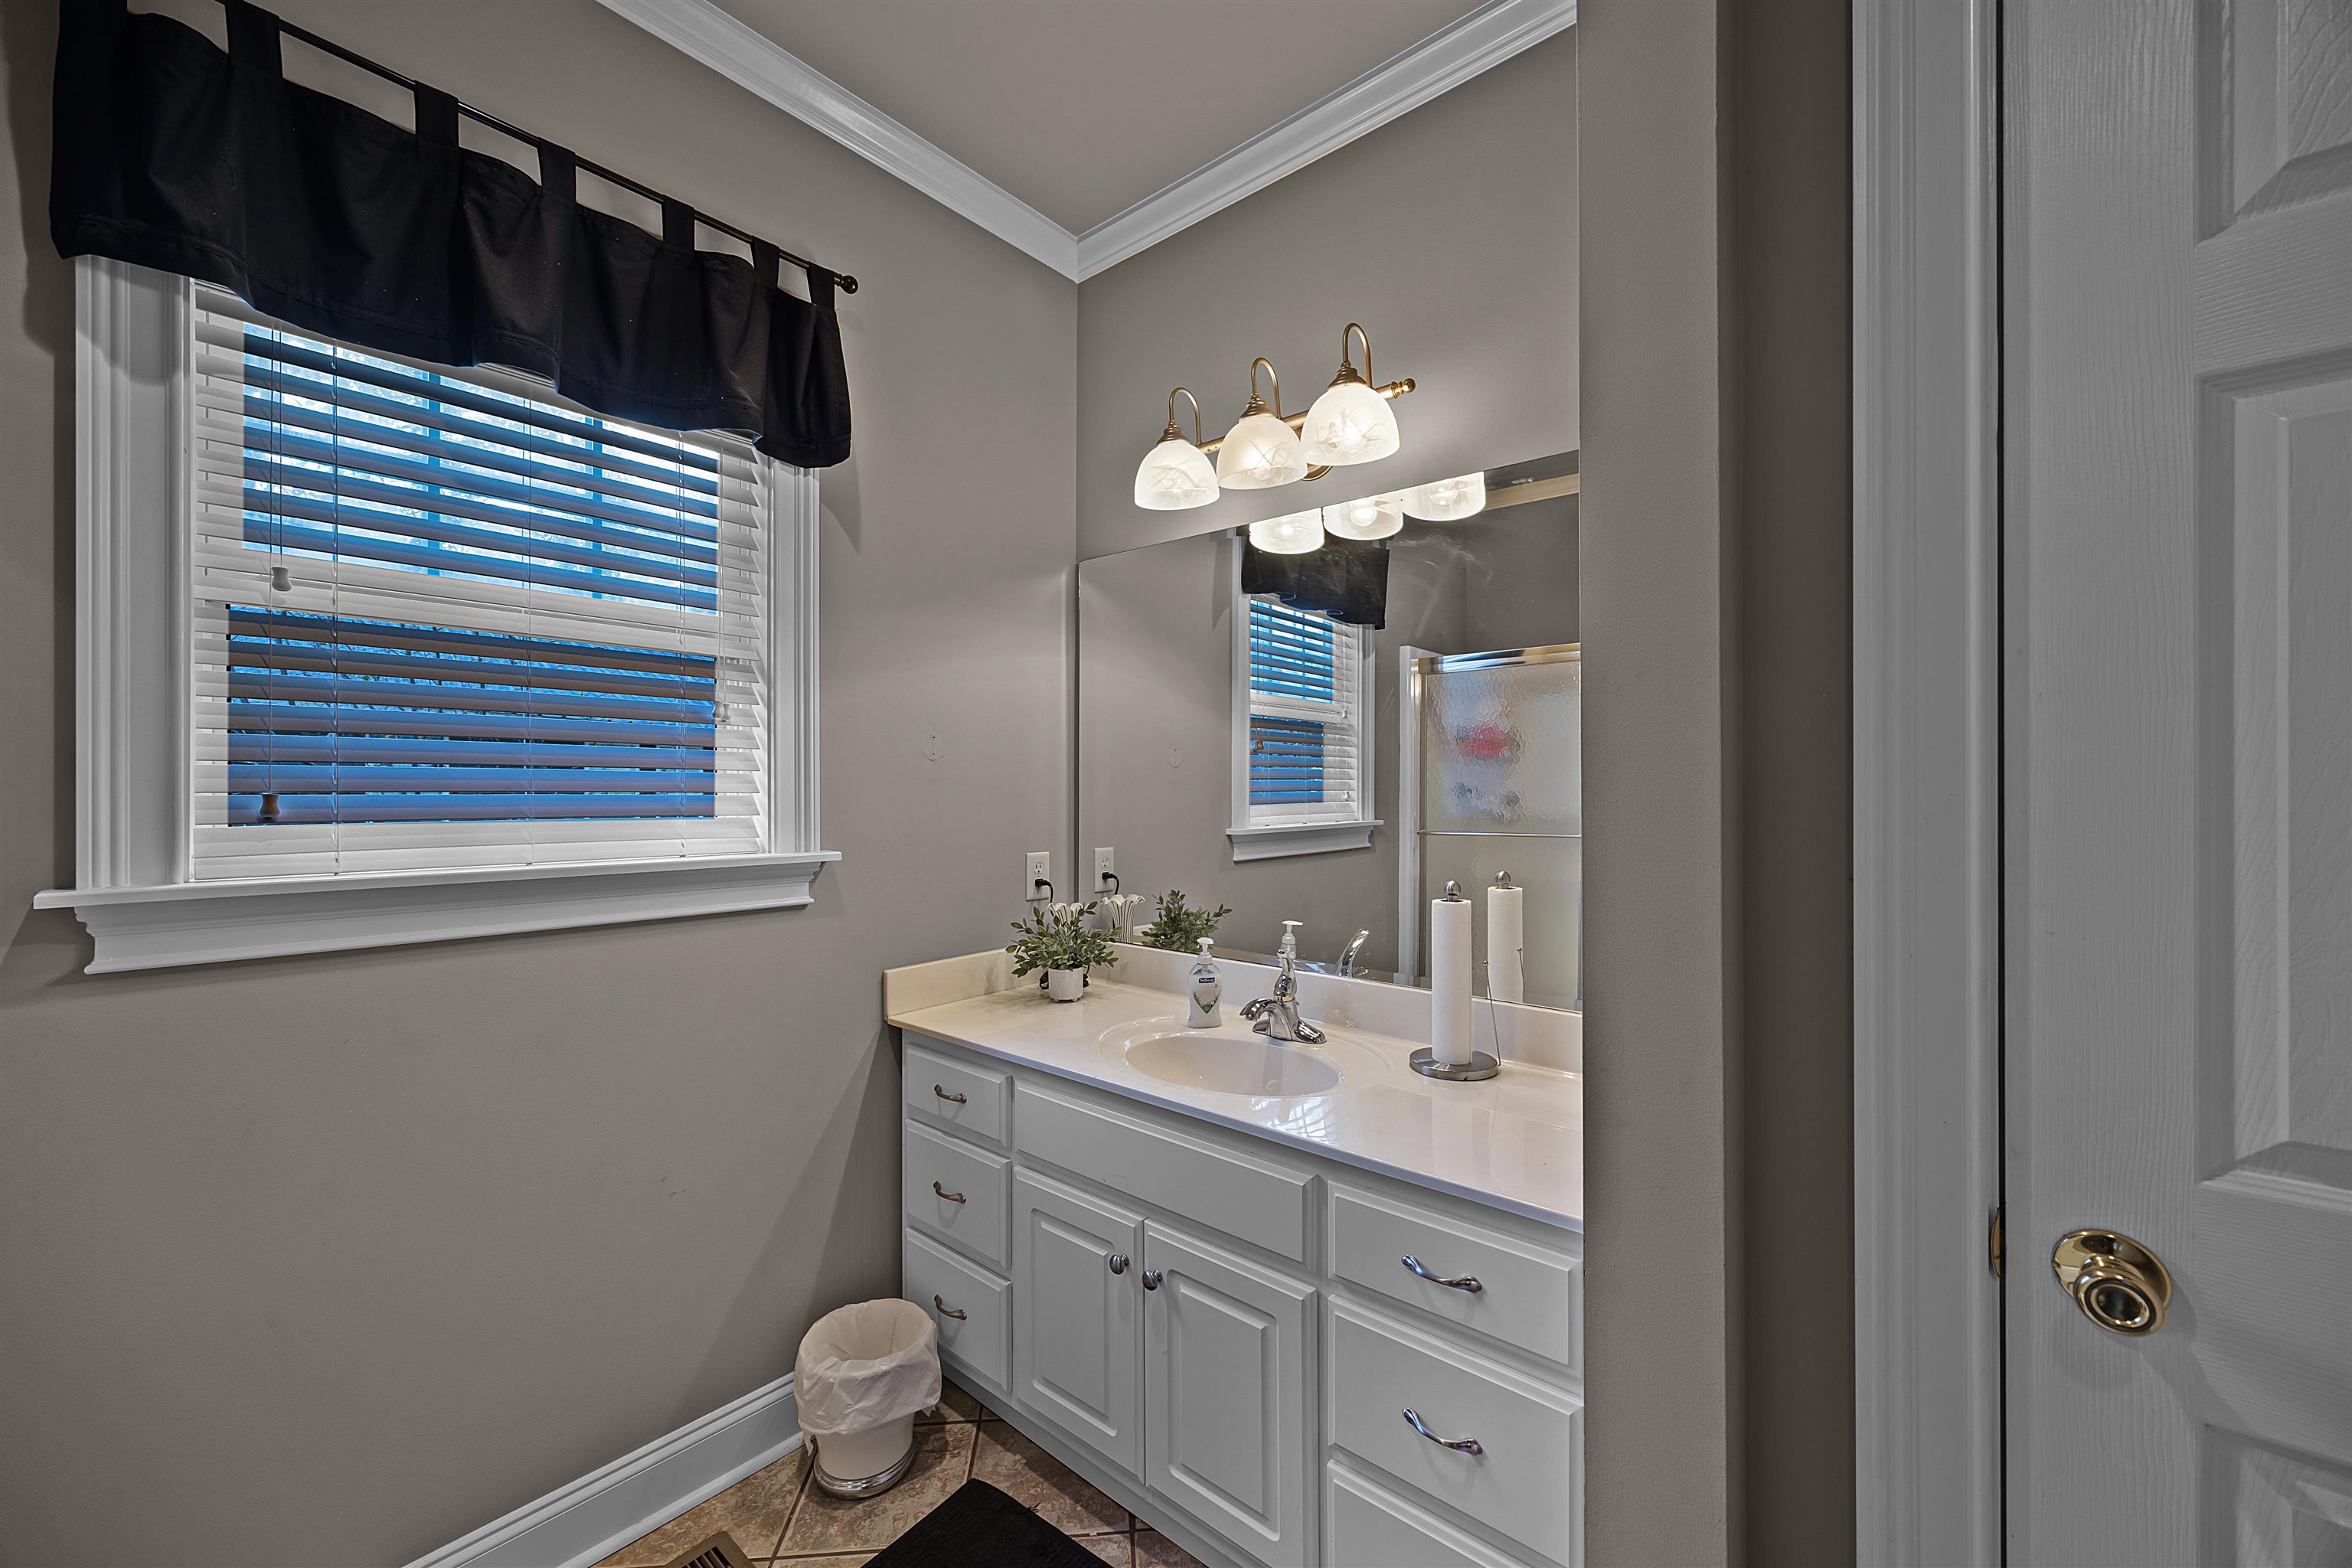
[
  {"x": 1446, "y": 59},
  {"x": 752, "y": 60},
  {"x": 579, "y": 1523}
]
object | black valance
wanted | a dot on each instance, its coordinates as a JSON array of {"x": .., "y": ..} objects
[
  {"x": 1347, "y": 579},
  {"x": 172, "y": 154}
]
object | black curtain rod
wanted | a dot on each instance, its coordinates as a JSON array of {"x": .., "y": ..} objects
[{"x": 847, "y": 284}]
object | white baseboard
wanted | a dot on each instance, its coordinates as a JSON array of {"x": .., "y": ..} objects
[{"x": 575, "y": 1525}]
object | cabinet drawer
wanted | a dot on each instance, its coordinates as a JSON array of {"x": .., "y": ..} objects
[
  {"x": 1529, "y": 1478},
  {"x": 973, "y": 1099},
  {"x": 1367, "y": 1525},
  {"x": 1258, "y": 1202},
  {"x": 941, "y": 1284},
  {"x": 1527, "y": 1296},
  {"x": 958, "y": 1194}
]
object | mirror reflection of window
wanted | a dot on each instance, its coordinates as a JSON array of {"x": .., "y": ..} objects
[{"x": 1306, "y": 716}]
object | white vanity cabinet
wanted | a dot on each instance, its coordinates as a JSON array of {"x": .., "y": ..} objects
[{"x": 1223, "y": 1331}]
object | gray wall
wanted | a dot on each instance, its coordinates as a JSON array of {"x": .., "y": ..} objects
[
  {"x": 1451, "y": 234},
  {"x": 329, "y": 1260},
  {"x": 1717, "y": 767},
  {"x": 1155, "y": 674}
]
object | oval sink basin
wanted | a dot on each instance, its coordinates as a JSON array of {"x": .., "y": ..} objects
[{"x": 1228, "y": 1059}]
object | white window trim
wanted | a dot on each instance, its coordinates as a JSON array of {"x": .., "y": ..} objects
[
  {"x": 1270, "y": 841},
  {"x": 132, "y": 888}
]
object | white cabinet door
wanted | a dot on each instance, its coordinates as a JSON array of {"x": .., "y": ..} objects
[
  {"x": 1075, "y": 1290},
  {"x": 1227, "y": 1394}
]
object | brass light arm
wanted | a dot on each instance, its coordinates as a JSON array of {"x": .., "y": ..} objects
[{"x": 1174, "y": 433}]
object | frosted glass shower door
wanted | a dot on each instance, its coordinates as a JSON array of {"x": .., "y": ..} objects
[{"x": 1499, "y": 740}]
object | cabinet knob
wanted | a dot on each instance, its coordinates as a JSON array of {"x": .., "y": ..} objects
[
  {"x": 951, "y": 1197},
  {"x": 1151, "y": 1277},
  {"x": 1466, "y": 1282},
  {"x": 1117, "y": 1261},
  {"x": 1470, "y": 1446},
  {"x": 946, "y": 1310}
]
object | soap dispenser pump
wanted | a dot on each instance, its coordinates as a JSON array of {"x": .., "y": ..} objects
[{"x": 1208, "y": 990}]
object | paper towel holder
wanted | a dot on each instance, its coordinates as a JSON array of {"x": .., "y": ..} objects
[
  {"x": 1480, "y": 1065},
  {"x": 1424, "y": 1060}
]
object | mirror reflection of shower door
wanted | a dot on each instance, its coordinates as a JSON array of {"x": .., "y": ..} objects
[{"x": 1498, "y": 784}]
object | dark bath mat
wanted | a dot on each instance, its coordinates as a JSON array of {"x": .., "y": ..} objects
[
  {"x": 719, "y": 1552},
  {"x": 980, "y": 1527}
]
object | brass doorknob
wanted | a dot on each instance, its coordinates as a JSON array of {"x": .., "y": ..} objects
[{"x": 2120, "y": 1285}]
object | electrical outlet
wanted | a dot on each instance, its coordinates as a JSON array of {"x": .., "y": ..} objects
[
  {"x": 1037, "y": 867},
  {"x": 1102, "y": 869}
]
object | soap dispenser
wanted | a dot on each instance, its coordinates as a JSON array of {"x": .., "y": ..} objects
[{"x": 1208, "y": 990}]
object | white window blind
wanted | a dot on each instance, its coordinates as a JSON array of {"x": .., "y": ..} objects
[
  {"x": 443, "y": 619},
  {"x": 1306, "y": 716}
]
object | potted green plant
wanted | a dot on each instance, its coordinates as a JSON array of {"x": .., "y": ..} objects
[
  {"x": 1179, "y": 929},
  {"x": 1056, "y": 940}
]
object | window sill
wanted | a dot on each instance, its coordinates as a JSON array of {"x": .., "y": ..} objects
[
  {"x": 1300, "y": 838},
  {"x": 215, "y": 923}
]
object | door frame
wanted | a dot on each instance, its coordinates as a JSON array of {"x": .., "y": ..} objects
[{"x": 1927, "y": 779}]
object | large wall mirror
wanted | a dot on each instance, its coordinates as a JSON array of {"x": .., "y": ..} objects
[{"x": 1330, "y": 736}]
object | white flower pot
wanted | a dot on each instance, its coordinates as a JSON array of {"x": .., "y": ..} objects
[{"x": 1065, "y": 984}]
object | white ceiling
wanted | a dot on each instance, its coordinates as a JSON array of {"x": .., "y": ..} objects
[
  {"x": 1083, "y": 107},
  {"x": 1085, "y": 130}
]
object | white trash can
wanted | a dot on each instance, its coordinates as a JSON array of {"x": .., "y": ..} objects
[{"x": 865, "y": 1371}]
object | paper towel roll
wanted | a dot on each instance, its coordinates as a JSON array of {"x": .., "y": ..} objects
[
  {"x": 1506, "y": 945},
  {"x": 1449, "y": 980}
]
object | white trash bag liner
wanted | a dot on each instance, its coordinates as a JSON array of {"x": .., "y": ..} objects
[{"x": 865, "y": 1371}]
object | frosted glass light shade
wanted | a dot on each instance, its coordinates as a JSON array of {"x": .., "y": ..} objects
[
  {"x": 1174, "y": 475},
  {"x": 1373, "y": 517},
  {"x": 1448, "y": 500},
  {"x": 1293, "y": 535},
  {"x": 1350, "y": 423},
  {"x": 1260, "y": 452}
]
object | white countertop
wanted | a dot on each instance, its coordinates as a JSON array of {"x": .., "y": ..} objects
[{"x": 1515, "y": 1142}]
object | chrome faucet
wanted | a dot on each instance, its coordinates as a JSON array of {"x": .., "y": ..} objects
[
  {"x": 1277, "y": 1017},
  {"x": 1353, "y": 950}
]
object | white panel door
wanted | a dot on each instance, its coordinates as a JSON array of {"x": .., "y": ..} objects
[
  {"x": 2178, "y": 795},
  {"x": 1228, "y": 1393},
  {"x": 1075, "y": 1312}
]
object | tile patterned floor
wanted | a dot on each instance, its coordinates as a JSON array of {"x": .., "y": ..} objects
[{"x": 778, "y": 1517}]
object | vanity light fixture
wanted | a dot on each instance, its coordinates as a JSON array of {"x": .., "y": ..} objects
[
  {"x": 1350, "y": 423},
  {"x": 1261, "y": 451},
  {"x": 1447, "y": 501},
  {"x": 1295, "y": 534},
  {"x": 1176, "y": 475},
  {"x": 1369, "y": 517}
]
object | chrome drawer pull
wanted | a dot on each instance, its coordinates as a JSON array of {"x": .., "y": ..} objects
[
  {"x": 946, "y": 1310},
  {"x": 1467, "y": 1282},
  {"x": 1117, "y": 1262},
  {"x": 951, "y": 1099},
  {"x": 1151, "y": 1278},
  {"x": 1470, "y": 1446},
  {"x": 951, "y": 1197}
]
